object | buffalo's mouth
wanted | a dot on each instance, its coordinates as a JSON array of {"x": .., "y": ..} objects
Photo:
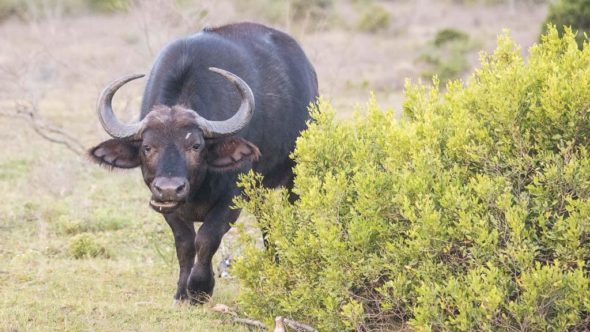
[{"x": 164, "y": 206}]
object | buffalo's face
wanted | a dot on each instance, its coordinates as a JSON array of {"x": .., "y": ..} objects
[
  {"x": 175, "y": 147},
  {"x": 171, "y": 163}
]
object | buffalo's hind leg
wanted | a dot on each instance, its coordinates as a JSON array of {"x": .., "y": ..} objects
[
  {"x": 184, "y": 238},
  {"x": 202, "y": 279}
]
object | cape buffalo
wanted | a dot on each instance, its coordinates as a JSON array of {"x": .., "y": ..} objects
[{"x": 191, "y": 143}]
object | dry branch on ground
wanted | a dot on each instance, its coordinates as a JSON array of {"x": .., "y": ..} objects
[{"x": 279, "y": 321}]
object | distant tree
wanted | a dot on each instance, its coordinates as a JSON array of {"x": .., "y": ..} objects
[{"x": 574, "y": 13}]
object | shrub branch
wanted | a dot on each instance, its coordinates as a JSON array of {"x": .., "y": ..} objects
[{"x": 29, "y": 112}]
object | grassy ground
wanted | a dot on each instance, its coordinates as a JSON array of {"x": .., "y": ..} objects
[
  {"x": 50, "y": 197},
  {"x": 44, "y": 287}
]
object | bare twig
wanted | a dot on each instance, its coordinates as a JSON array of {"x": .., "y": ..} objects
[
  {"x": 297, "y": 326},
  {"x": 224, "y": 309},
  {"x": 43, "y": 128},
  {"x": 279, "y": 324},
  {"x": 250, "y": 322},
  {"x": 27, "y": 105}
]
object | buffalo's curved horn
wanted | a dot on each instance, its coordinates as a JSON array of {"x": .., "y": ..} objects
[
  {"x": 212, "y": 129},
  {"x": 107, "y": 117}
]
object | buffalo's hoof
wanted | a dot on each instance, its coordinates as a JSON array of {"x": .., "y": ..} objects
[
  {"x": 181, "y": 295},
  {"x": 179, "y": 302},
  {"x": 199, "y": 297},
  {"x": 200, "y": 286},
  {"x": 200, "y": 292}
]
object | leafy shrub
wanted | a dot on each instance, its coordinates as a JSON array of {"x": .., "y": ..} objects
[
  {"x": 374, "y": 18},
  {"x": 449, "y": 35},
  {"x": 296, "y": 10},
  {"x": 570, "y": 13},
  {"x": 446, "y": 55},
  {"x": 314, "y": 8},
  {"x": 472, "y": 212},
  {"x": 101, "y": 220},
  {"x": 10, "y": 8},
  {"x": 108, "y": 220},
  {"x": 69, "y": 226},
  {"x": 498, "y": 2},
  {"x": 86, "y": 246},
  {"x": 24, "y": 9},
  {"x": 108, "y": 5}
]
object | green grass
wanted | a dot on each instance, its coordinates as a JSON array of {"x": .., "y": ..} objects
[
  {"x": 14, "y": 168},
  {"x": 99, "y": 294},
  {"x": 46, "y": 221}
]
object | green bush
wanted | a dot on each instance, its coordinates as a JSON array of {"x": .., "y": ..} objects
[
  {"x": 101, "y": 220},
  {"x": 278, "y": 11},
  {"x": 570, "y": 13},
  {"x": 500, "y": 2},
  {"x": 108, "y": 220},
  {"x": 9, "y": 8},
  {"x": 472, "y": 212},
  {"x": 314, "y": 8},
  {"x": 86, "y": 246},
  {"x": 108, "y": 5},
  {"x": 449, "y": 35},
  {"x": 374, "y": 18},
  {"x": 26, "y": 9},
  {"x": 446, "y": 55},
  {"x": 68, "y": 225}
]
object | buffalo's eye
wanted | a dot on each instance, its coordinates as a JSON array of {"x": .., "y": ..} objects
[
  {"x": 147, "y": 149},
  {"x": 196, "y": 146}
]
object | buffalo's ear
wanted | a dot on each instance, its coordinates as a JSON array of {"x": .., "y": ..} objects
[
  {"x": 228, "y": 154},
  {"x": 117, "y": 153}
]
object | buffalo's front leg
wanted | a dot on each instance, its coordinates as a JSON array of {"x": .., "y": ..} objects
[
  {"x": 184, "y": 238},
  {"x": 202, "y": 279}
]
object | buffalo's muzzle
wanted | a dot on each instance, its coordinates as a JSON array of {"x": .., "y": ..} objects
[{"x": 168, "y": 192}]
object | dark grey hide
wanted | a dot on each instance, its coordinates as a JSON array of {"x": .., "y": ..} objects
[{"x": 192, "y": 173}]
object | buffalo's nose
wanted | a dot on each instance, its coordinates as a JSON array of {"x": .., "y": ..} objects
[{"x": 170, "y": 189}]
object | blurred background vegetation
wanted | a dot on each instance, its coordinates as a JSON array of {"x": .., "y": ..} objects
[
  {"x": 449, "y": 58},
  {"x": 79, "y": 247},
  {"x": 570, "y": 13}
]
